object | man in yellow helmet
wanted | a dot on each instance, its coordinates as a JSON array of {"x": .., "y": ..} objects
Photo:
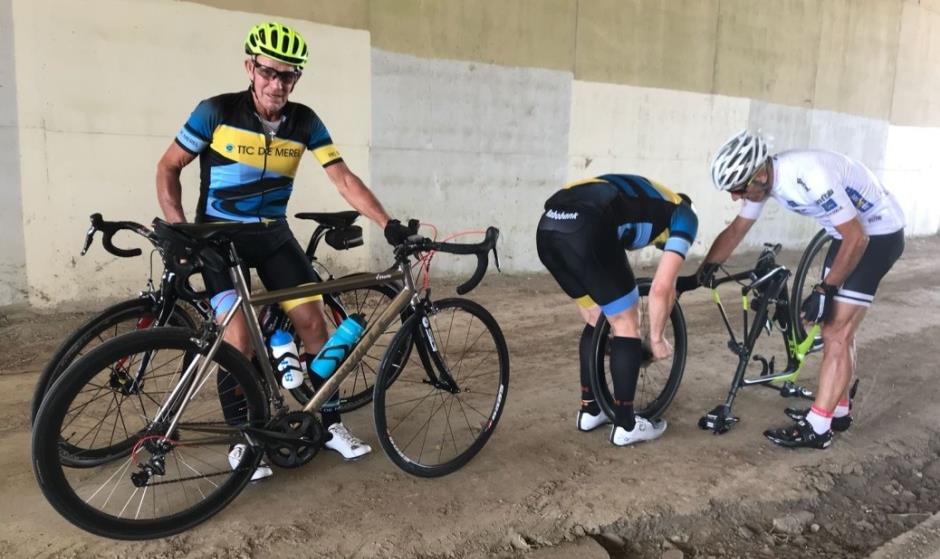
[{"x": 250, "y": 144}]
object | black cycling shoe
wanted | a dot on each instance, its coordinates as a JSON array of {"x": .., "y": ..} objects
[
  {"x": 799, "y": 435},
  {"x": 839, "y": 424}
]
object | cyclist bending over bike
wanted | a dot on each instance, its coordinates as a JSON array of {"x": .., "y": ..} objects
[
  {"x": 868, "y": 226},
  {"x": 249, "y": 145},
  {"x": 581, "y": 239}
]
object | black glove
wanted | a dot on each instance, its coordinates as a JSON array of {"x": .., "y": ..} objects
[
  {"x": 706, "y": 274},
  {"x": 818, "y": 306},
  {"x": 687, "y": 283},
  {"x": 395, "y": 232}
]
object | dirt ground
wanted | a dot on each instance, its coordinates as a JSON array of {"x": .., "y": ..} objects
[{"x": 540, "y": 483}]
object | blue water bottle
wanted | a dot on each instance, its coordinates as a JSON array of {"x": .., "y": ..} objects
[{"x": 336, "y": 349}]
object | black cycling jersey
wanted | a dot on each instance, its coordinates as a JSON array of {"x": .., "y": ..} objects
[{"x": 587, "y": 225}]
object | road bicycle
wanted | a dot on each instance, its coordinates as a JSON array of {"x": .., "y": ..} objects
[
  {"x": 764, "y": 293},
  {"x": 156, "y": 412},
  {"x": 176, "y": 303}
]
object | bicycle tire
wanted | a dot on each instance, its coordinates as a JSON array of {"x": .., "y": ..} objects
[
  {"x": 356, "y": 389},
  {"x": 809, "y": 272},
  {"x": 95, "y": 329},
  {"x": 402, "y": 385},
  {"x": 63, "y": 486},
  {"x": 654, "y": 393}
]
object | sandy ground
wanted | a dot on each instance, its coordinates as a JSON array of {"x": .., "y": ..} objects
[{"x": 539, "y": 482}]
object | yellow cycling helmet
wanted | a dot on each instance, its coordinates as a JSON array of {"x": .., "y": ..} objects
[{"x": 277, "y": 41}]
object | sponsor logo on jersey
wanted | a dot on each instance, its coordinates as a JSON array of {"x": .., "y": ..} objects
[
  {"x": 552, "y": 214},
  {"x": 859, "y": 201},
  {"x": 800, "y": 182},
  {"x": 830, "y": 205},
  {"x": 792, "y": 204},
  {"x": 825, "y": 196}
]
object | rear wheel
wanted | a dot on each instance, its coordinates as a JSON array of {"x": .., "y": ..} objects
[
  {"x": 143, "y": 481},
  {"x": 658, "y": 380},
  {"x": 123, "y": 317},
  {"x": 433, "y": 421},
  {"x": 810, "y": 271}
]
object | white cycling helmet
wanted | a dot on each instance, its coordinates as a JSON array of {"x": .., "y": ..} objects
[{"x": 738, "y": 159}]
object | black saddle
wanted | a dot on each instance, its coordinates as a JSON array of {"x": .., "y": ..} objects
[{"x": 331, "y": 219}]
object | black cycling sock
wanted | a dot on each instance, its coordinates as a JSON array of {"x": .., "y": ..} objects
[
  {"x": 232, "y": 398},
  {"x": 625, "y": 357},
  {"x": 588, "y": 402}
]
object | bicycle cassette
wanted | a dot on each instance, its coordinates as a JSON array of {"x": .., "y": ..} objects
[{"x": 307, "y": 437}]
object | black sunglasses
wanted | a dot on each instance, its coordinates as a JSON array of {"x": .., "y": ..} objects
[{"x": 288, "y": 77}]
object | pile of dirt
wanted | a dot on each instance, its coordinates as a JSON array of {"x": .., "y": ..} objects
[{"x": 854, "y": 512}]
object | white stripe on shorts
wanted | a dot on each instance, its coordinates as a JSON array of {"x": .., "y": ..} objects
[{"x": 854, "y": 297}]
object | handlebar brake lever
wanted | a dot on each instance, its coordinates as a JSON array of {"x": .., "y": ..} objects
[
  {"x": 89, "y": 237},
  {"x": 96, "y": 220}
]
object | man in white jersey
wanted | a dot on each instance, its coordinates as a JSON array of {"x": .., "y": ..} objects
[{"x": 868, "y": 225}]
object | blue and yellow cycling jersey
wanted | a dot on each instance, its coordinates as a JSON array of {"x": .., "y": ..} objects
[
  {"x": 645, "y": 211},
  {"x": 247, "y": 174}
]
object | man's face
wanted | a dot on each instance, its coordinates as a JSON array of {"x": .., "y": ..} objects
[
  {"x": 757, "y": 187},
  {"x": 272, "y": 81}
]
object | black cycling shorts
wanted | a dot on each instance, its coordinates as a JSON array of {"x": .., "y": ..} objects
[
  {"x": 578, "y": 245},
  {"x": 880, "y": 255},
  {"x": 277, "y": 258}
]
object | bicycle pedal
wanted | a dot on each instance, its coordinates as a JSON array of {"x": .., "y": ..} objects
[{"x": 718, "y": 421}]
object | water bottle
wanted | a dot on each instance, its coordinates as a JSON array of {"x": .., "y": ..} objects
[
  {"x": 285, "y": 355},
  {"x": 336, "y": 349}
]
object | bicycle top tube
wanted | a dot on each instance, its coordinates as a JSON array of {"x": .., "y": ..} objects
[{"x": 210, "y": 245}]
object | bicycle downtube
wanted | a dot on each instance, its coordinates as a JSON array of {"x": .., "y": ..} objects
[{"x": 373, "y": 331}]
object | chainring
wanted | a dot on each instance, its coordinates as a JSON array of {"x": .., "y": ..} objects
[{"x": 310, "y": 439}]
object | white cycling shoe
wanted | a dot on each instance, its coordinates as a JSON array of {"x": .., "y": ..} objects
[
  {"x": 235, "y": 458},
  {"x": 345, "y": 443},
  {"x": 588, "y": 422},
  {"x": 644, "y": 430}
]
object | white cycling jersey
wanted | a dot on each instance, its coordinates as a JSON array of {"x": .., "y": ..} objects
[{"x": 831, "y": 188}]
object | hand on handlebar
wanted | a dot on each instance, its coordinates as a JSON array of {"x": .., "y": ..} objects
[
  {"x": 706, "y": 274},
  {"x": 396, "y": 233}
]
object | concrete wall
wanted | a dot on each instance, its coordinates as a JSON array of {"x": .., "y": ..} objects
[
  {"x": 12, "y": 250},
  {"x": 461, "y": 114}
]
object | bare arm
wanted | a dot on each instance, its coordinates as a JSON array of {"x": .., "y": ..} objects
[
  {"x": 854, "y": 242},
  {"x": 662, "y": 296},
  {"x": 354, "y": 191},
  {"x": 728, "y": 240},
  {"x": 169, "y": 188}
]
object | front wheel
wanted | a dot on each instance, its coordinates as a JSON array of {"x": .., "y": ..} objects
[
  {"x": 431, "y": 421},
  {"x": 145, "y": 481},
  {"x": 810, "y": 271},
  {"x": 658, "y": 380}
]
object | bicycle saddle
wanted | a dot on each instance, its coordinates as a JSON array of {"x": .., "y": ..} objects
[{"x": 331, "y": 219}]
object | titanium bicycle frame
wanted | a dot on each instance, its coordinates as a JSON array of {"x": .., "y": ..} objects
[{"x": 400, "y": 272}]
